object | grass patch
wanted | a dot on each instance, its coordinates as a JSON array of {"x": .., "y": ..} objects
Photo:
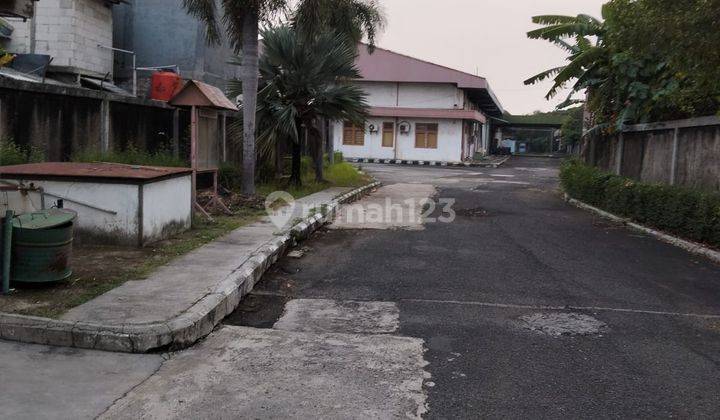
[
  {"x": 341, "y": 174},
  {"x": 99, "y": 269},
  {"x": 131, "y": 156},
  {"x": 12, "y": 154}
]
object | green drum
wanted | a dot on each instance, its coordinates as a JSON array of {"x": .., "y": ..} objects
[{"x": 42, "y": 246}]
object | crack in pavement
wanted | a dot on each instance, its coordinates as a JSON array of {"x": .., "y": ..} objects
[{"x": 565, "y": 307}]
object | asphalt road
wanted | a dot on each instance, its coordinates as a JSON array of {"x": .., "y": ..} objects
[{"x": 516, "y": 250}]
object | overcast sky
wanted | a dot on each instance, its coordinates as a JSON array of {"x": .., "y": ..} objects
[{"x": 485, "y": 37}]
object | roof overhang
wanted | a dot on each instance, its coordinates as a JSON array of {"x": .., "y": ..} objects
[{"x": 446, "y": 114}]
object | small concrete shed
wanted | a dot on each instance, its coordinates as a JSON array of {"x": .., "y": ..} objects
[{"x": 116, "y": 203}]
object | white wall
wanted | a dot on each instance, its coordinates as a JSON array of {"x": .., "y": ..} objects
[
  {"x": 166, "y": 208},
  {"x": 119, "y": 198},
  {"x": 414, "y": 95},
  {"x": 69, "y": 31},
  {"x": 449, "y": 142}
]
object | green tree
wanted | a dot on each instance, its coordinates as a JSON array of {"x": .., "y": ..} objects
[
  {"x": 240, "y": 20},
  {"x": 572, "y": 128},
  {"x": 641, "y": 63},
  {"x": 304, "y": 80},
  {"x": 587, "y": 56}
]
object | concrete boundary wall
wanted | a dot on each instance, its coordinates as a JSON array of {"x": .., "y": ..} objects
[
  {"x": 62, "y": 120},
  {"x": 684, "y": 152}
]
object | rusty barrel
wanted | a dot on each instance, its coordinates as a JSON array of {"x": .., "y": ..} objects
[{"x": 42, "y": 246}]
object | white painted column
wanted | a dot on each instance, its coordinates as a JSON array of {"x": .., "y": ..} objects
[
  {"x": 104, "y": 126},
  {"x": 674, "y": 162}
]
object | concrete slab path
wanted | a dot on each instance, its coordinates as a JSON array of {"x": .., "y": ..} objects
[
  {"x": 174, "y": 288},
  {"x": 44, "y": 382},
  {"x": 340, "y": 364},
  {"x": 397, "y": 206}
]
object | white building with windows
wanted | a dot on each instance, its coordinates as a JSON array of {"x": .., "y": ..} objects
[{"x": 419, "y": 111}]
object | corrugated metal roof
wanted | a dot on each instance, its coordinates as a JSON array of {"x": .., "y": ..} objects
[{"x": 99, "y": 170}]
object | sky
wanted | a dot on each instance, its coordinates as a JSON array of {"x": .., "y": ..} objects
[{"x": 484, "y": 37}]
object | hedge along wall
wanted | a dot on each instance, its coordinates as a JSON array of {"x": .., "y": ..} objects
[
  {"x": 684, "y": 153},
  {"x": 686, "y": 212}
]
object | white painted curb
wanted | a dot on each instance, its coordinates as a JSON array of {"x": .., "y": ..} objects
[{"x": 690, "y": 246}]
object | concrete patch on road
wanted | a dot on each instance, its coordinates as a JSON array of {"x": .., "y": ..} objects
[
  {"x": 324, "y": 315},
  {"x": 41, "y": 382},
  {"x": 501, "y": 181},
  {"x": 240, "y": 372},
  {"x": 557, "y": 324},
  {"x": 396, "y": 206}
]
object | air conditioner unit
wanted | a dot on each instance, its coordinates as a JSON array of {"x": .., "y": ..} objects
[
  {"x": 404, "y": 127},
  {"x": 373, "y": 128}
]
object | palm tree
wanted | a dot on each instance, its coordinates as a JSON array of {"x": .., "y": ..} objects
[
  {"x": 304, "y": 80},
  {"x": 354, "y": 19},
  {"x": 588, "y": 55},
  {"x": 241, "y": 19}
]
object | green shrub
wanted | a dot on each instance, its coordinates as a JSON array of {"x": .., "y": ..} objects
[
  {"x": 685, "y": 212},
  {"x": 131, "y": 156},
  {"x": 12, "y": 154},
  {"x": 230, "y": 176}
]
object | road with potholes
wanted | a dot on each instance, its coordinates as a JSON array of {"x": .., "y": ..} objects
[{"x": 518, "y": 306}]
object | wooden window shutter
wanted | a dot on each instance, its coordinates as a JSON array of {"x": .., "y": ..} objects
[
  {"x": 432, "y": 136},
  {"x": 359, "y": 135},
  {"x": 419, "y": 136},
  {"x": 426, "y": 136},
  {"x": 353, "y": 135},
  {"x": 388, "y": 134}
]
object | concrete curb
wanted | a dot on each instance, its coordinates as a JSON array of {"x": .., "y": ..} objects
[
  {"x": 188, "y": 327},
  {"x": 430, "y": 163},
  {"x": 692, "y": 247}
]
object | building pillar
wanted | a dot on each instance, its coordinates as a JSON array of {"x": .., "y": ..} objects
[
  {"x": 674, "y": 162},
  {"x": 485, "y": 142},
  {"x": 104, "y": 126}
]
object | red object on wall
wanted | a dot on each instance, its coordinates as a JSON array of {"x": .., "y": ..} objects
[{"x": 164, "y": 84}]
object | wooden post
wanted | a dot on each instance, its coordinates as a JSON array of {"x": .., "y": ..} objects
[
  {"x": 674, "y": 161},
  {"x": 193, "y": 150},
  {"x": 223, "y": 135},
  {"x": 176, "y": 133}
]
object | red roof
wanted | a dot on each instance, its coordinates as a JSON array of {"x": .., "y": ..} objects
[
  {"x": 388, "y": 66},
  {"x": 99, "y": 170},
  {"x": 197, "y": 93}
]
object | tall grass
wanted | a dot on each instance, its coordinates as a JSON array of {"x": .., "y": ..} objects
[
  {"x": 131, "y": 156},
  {"x": 12, "y": 154}
]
